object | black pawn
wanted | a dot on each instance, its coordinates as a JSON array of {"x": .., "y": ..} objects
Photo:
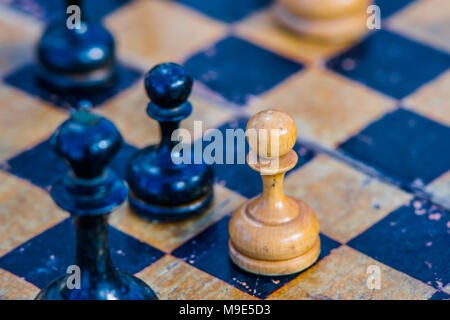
[
  {"x": 161, "y": 189},
  {"x": 89, "y": 192},
  {"x": 76, "y": 59}
]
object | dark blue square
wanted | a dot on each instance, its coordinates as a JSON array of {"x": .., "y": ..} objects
[
  {"x": 208, "y": 251},
  {"x": 49, "y": 9},
  {"x": 25, "y": 79},
  {"x": 440, "y": 295},
  {"x": 414, "y": 239},
  {"x": 238, "y": 176},
  {"x": 388, "y": 7},
  {"x": 390, "y": 63},
  {"x": 47, "y": 256},
  {"x": 42, "y": 166},
  {"x": 238, "y": 70},
  {"x": 226, "y": 10},
  {"x": 409, "y": 148}
]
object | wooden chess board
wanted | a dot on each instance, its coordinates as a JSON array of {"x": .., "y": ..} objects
[{"x": 374, "y": 146}]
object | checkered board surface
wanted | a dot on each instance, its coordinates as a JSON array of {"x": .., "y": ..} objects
[{"x": 374, "y": 147}]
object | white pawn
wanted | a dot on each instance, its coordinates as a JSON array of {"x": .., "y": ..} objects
[{"x": 324, "y": 20}]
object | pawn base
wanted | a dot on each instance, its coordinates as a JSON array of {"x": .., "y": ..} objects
[
  {"x": 278, "y": 267},
  {"x": 157, "y": 213},
  {"x": 122, "y": 287},
  {"x": 336, "y": 30},
  {"x": 96, "y": 80}
]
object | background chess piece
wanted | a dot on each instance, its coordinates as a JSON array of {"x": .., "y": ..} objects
[
  {"x": 161, "y": 187},
  {"x": 89, "y": 192},
  {"x": 273, "y": 234},
  {"x": 324, "y": 20},
  {"x": 78, "y": 59}
]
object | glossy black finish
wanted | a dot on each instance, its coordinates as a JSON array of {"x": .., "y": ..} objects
[
  {"x": 87, "y": 142},
  {"x": 76, "y": 60},
  {"x": 168, "y": 85},
  {"x": 160, "y": 189},
  {"x": 100, "y": 280},
  {"x": 90, "y": 192}
]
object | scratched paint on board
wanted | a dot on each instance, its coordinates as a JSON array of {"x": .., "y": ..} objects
[{"x": 413, "y": 239}]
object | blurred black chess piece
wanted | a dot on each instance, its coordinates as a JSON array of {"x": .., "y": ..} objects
[
  {"x": 89, "y": 192},
  {"x": 76, "y": 57},
  {"x": 161, "y": 187}
]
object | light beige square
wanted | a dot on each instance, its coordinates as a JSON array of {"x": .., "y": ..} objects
[
  {"x": 343, "y": 275},
  {"x": 432, "y": 100},
  {"x": 127, "y": 111},
  {"x": 440, "y": 189},
  {"x": 18, "y": 37},
  {"x": 327, "y": 108},
  {"x": 426, "y": 21},
  {"x": 169, "y": 235},
  {"x": 25, "y": 211},
  {"x": 15, "y": 288},
  {"x": 160, "y": 31},
  {"x": 173, "y": 279},
  {"x": 25, "y": 121},
  {"x": 345, "y": 200}
]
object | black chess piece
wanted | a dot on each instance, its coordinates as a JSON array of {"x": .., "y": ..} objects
[
  {"x": 162, "y": 186},
  {"x": 78, "y": 58},
  {"x": 89, "y": 192}
]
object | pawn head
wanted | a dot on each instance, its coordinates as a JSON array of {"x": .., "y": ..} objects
[
  {"x": 87, "y": 142},
  {"x": 168, "y": 85},
  {"x": 271, "y": 133}
]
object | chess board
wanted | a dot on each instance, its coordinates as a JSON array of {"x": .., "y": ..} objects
[{"x": 374, "y": 147}]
